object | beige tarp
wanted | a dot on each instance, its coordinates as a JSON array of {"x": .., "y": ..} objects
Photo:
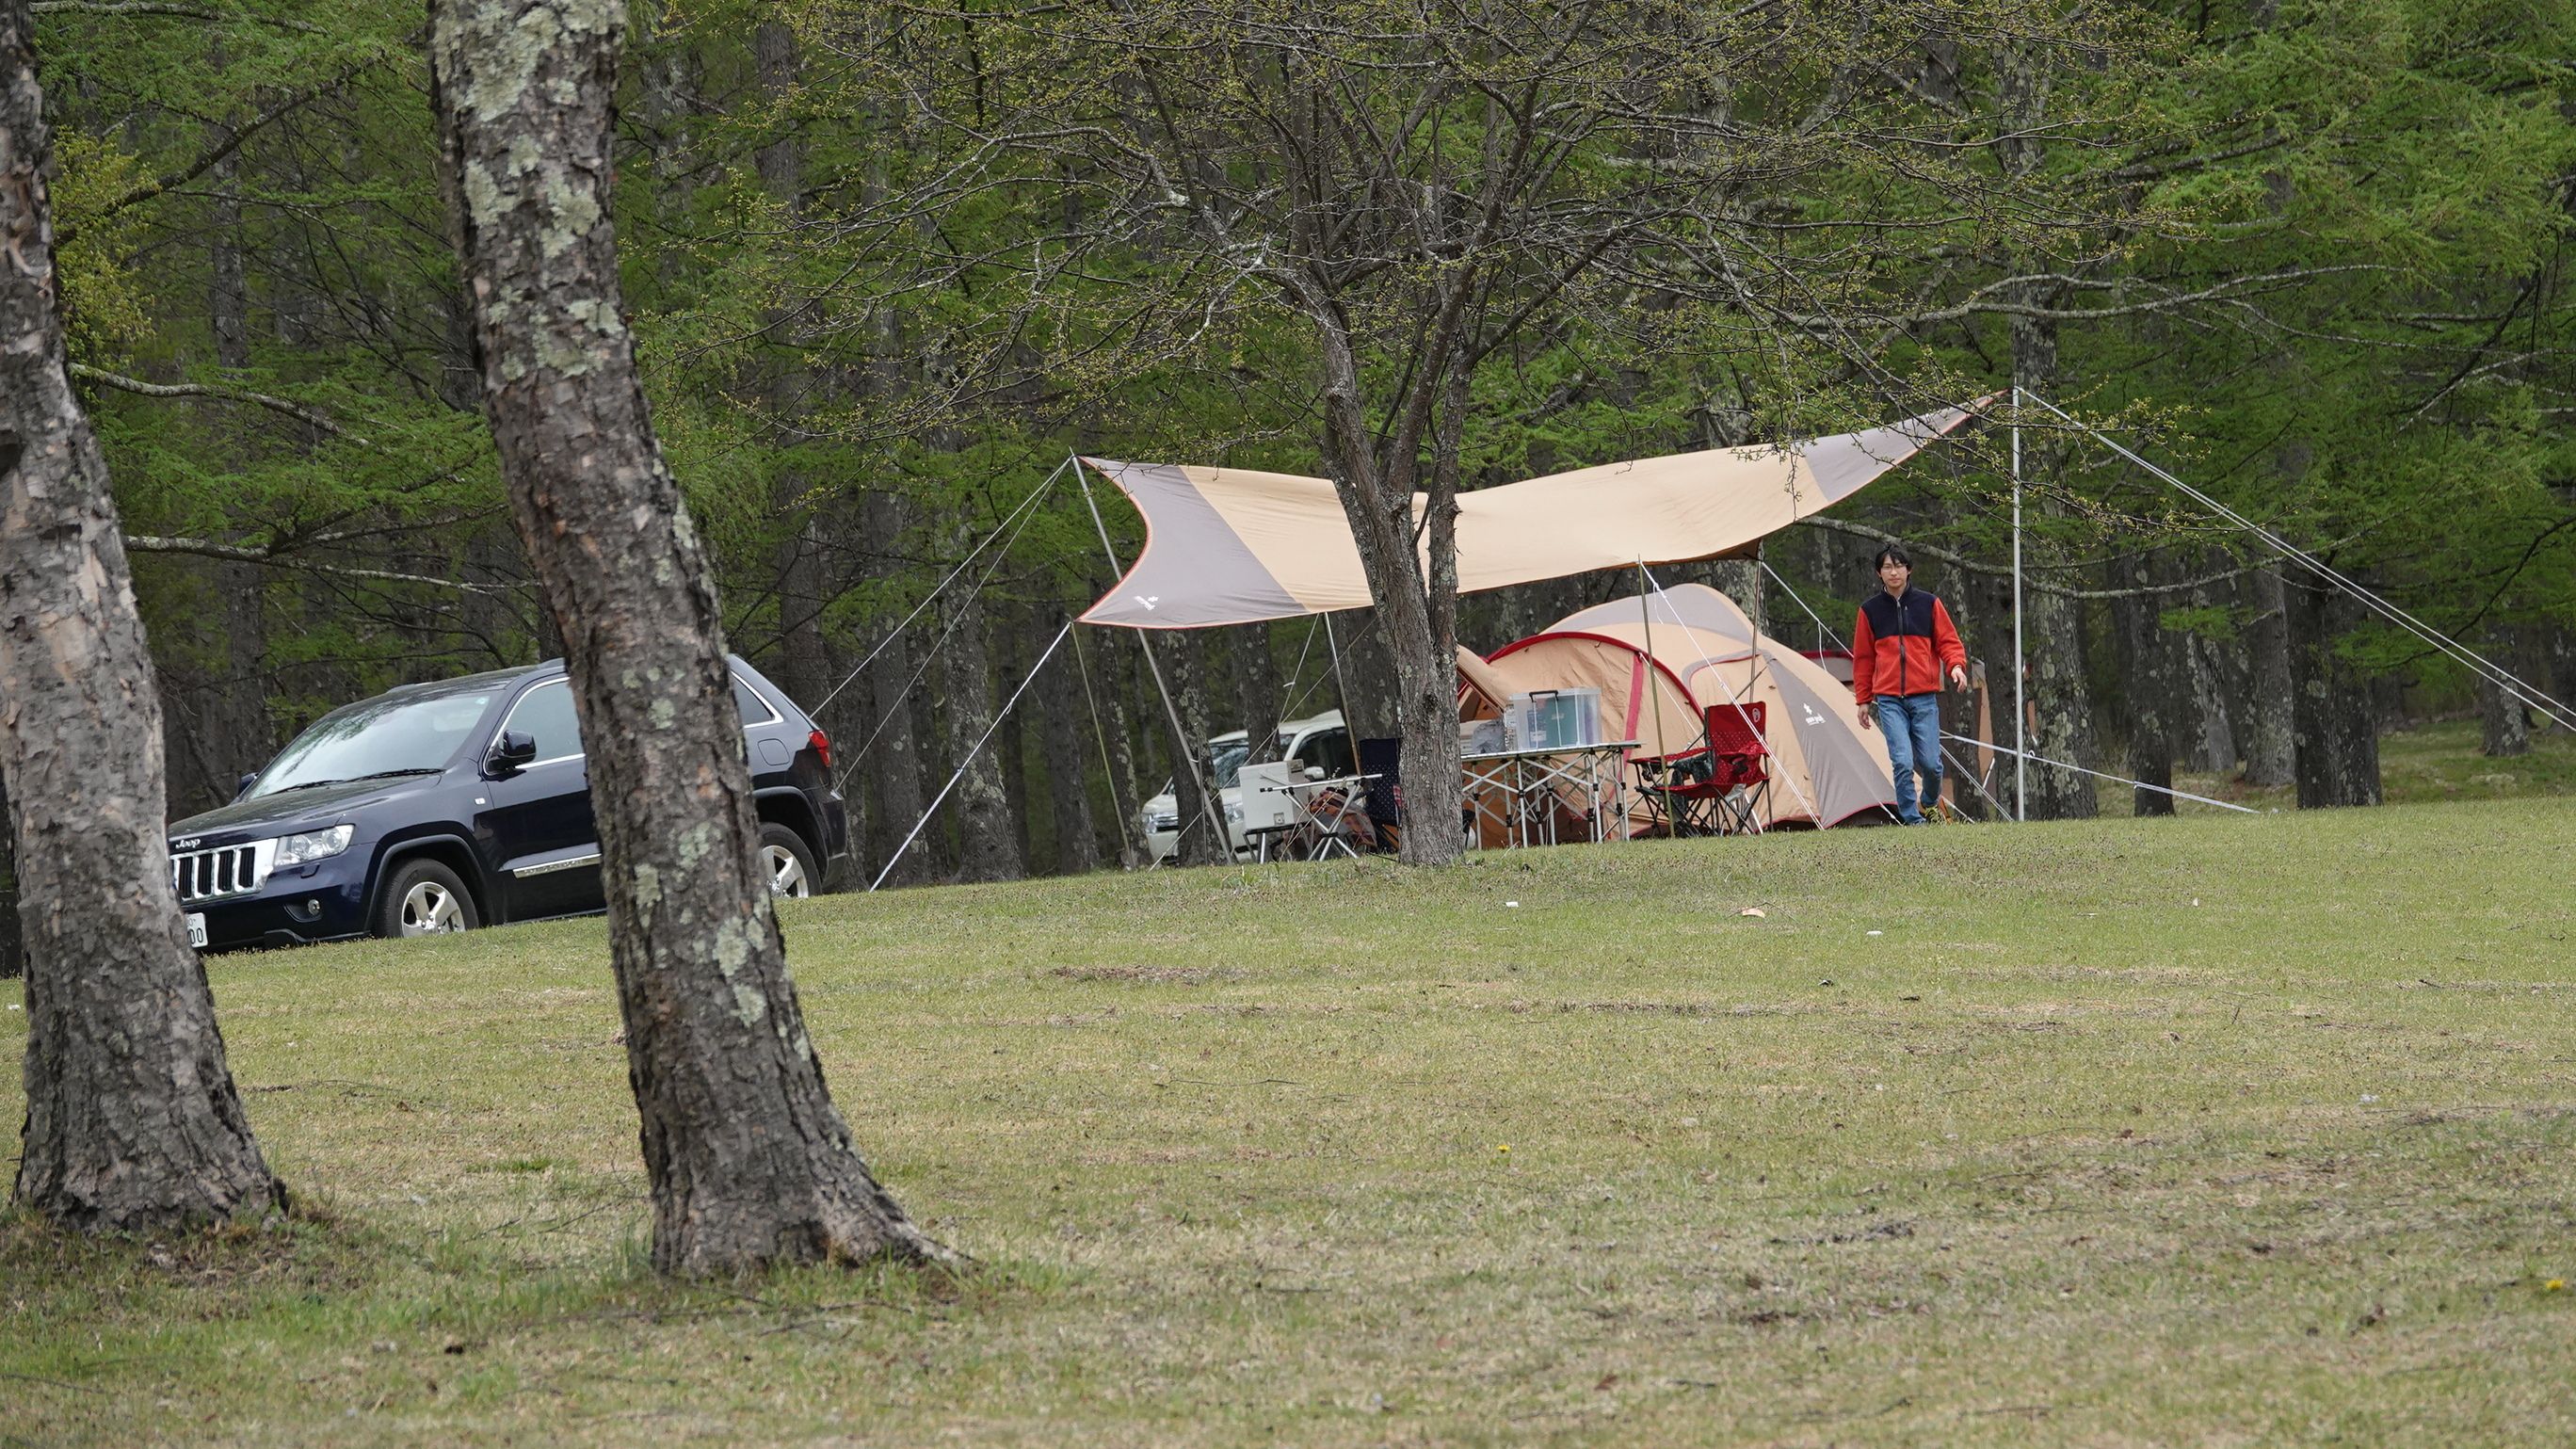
[
  {"x": 1230, "y": 546},
  {"x": 1658, "y": 663}
]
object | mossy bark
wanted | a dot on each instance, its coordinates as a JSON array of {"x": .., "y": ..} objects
[
  {"x": 132, "y": 1121},
  {"x": 750, "y": 1163}
]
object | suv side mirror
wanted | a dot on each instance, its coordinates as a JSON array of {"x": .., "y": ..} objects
[
  {"x": 511, "y": 751},
  {"x": 242, "y": 786},
  {"x": 1314, "y": 772}
]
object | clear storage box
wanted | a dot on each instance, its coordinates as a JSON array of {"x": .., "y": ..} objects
[{"x": 1553, "y": 719}]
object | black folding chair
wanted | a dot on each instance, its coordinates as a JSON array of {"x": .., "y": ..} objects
[{"x": 1381, "y": 760}]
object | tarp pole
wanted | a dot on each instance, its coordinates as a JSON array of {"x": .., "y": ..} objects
[
  {"x": 2021, "y": 709},
  {"x": 1100, "y": 733},
  {"x": 1181, "y": 744},
  {"x": 1645, "y": 611}
]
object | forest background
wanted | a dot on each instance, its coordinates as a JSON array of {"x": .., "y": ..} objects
[{"x": 887, "y": 270}]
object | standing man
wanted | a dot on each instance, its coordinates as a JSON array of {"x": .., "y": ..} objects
[{"x": 1900, "y": 646}]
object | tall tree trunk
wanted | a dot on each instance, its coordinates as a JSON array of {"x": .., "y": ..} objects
[
  {"x": 2335, "y": 728},
  {"x": 986, "y": 849},
  {"x": 1416, "y": 613},
  {"x": 13, "y": 951},
  {"x": 2271, "y": 728},
  {"x": 893, "y": 763},
  {"x": 1063, "y": 722},
  {"x": 1112, "y": 685},
  {"x": 2061, "y": 707},
  {"x": 2505, "y": 722},
  {"x": 797, "y": 564},
  {"x": 2146, "y": 662},
  {"x": 1259, "y": 696},
  {"x": 749, "y": 1162},
  {"x": 240, "y": 738},
  {"x": 1739, "y": 579},
  {"x": 1006, "y": 625},
  {"x": 132, "y": 1120},
  {"x": 2213, "y": 739}
]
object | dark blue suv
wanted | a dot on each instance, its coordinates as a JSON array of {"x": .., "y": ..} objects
[{"x": 443, "y": 807}]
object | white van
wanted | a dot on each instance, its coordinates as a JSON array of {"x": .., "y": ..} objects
[{"x": 1318, "y": 742}]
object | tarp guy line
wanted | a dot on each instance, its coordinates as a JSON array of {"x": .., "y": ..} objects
[
  {"x": 2477, "y": 663},
  {"x": 1000, "y": 715},
  {"x": 941, "y": 642},
  {"x": 1026, "y": 503},
  {"x": 2098, "y": 775}
]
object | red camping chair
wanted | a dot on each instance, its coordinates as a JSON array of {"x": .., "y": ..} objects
[{"x": 1740, "y": 773}]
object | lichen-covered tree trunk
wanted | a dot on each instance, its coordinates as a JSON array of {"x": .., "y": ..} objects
[
  {"x": 2146, "y": 660},
  {"x": 892, "y": 763},
  {"x": 2504, "y": 721},
  {"x": 2061, "y": 706},
  {"x": 2334, "y": 727},
  {"x": 132, "y": 1118},
  {"x": 1111, "y": 686},
  {"x": 1063, "y": 723},
  {"x": 1258, "y": 691},
  {"x": 987, "y": 848},
  {"x": 1419, "y": 638},
  {"x": 750, "y": 1163},
  {"x": 2271, "y": 752}
]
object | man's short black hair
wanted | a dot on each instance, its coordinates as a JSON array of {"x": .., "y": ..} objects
[{"x": 1893, "y": 553}]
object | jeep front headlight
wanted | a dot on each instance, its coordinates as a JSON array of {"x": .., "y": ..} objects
[{"x": 314, "y": 845}]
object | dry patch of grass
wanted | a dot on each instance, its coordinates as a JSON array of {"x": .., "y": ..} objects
[{"x": 2208, "y": 1130}]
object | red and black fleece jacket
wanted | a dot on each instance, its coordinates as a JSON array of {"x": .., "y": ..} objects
[{"x": 1902, "y": 644}]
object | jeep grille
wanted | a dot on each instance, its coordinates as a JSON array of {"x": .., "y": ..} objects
[{"x": 213, "y": 875}]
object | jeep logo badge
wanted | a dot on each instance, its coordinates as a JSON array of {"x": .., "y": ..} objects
[{"x": 188, "y": 844}]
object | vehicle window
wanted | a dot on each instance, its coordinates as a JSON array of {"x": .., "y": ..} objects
[
  {"x": 1330, "y": 749},
  {"x": 1227, "y": 758},
  {"x": 378, "y": 737},
  {"x": 546, "y": 712},
  {"x": 747, "y": 701}
]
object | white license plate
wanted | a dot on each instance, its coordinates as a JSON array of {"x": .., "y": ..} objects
[{"x": 196, "y": 928}]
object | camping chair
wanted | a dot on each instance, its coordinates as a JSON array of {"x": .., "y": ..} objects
[
  {"x": 1380, "y": 761},
  {"x": 1740, "y": 774},
  {"x": 1683, "y": 789}
]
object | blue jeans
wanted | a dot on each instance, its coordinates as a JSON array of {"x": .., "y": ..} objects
[{"x": 1912, "y": 724}]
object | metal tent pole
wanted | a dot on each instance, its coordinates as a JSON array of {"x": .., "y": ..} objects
[{"x": 2021, "y": 707}]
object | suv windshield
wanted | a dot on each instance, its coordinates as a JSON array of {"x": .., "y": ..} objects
[{"x": 379, "y": 737}]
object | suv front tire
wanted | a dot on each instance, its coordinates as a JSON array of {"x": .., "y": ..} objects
[{"x": 424, "y": 898}]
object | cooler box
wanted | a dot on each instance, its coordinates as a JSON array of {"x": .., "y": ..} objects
[
  {"x": 1553, "y": 719},
  {"x": 1264, "y": 796}
]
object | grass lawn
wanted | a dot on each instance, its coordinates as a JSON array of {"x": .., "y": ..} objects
[{"x": 2213, "y": 1130}]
